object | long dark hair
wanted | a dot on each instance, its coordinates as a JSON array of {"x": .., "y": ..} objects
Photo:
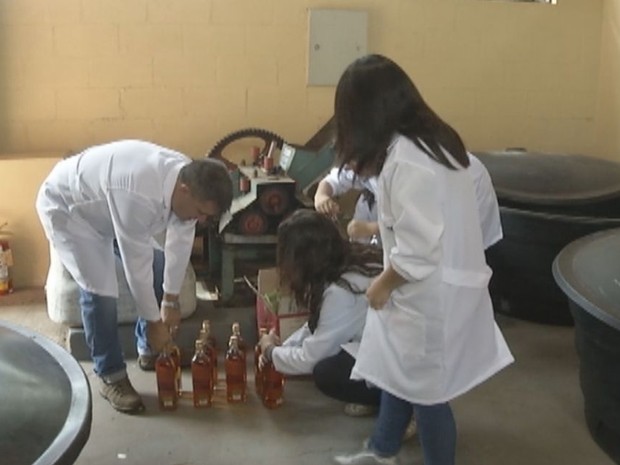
[
  {"x": 312, "y": 254},
  {"x": 375, "y": 99}
]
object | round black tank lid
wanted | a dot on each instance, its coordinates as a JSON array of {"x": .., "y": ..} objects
[
  {"x": 588, "y": 272},
  {"x": 551, "y": 179}
]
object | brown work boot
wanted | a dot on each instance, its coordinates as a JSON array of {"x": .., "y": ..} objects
[{"x": 121, "y": 395}]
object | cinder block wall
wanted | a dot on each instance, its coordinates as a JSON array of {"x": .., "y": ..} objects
[{"x": 184, "y": 73}]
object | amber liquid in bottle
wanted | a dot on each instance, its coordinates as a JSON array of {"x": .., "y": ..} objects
[
  {"x": 236, "y": 331},
  {"x": 175, "y": 353},
  {"x": 202, "y": 377},
  {"x": 235, "y": 373},
  {"x": 258, "y": 373},
  {"x": 165, "y": 372},
  {"x": 273, "y": 386},
  {"x": 210, "y": 348}
]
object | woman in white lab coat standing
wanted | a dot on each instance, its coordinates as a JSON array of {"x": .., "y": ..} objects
[
  {"x": 123, "y": 194},
  {"x": 430, "y": 335}
]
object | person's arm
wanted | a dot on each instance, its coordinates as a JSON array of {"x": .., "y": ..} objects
[
  {"x": 343, "y": 315},
  {"x": 488, "y": 207},
  {"x": 177, "y": 251},
  {"x": 297, "y": 338},
  {"x": 131, "y": 216},
  {"x": 359, "y": 229},
  {"x": 336, "y": 183},
  {"x": 323, "y": 199},
  {"x": 417, "y": 223}
]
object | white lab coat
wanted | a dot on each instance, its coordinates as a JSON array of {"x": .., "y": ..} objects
[
  {"x": 488, "y": 208},
  {"x": 340, "y": 325},
  {"x": 436, "y": 337},
  {"x": 119, "y": 190},
  {"x": 341, "y": 181}
]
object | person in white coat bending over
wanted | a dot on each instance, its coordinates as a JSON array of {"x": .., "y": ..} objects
[
  {"x": 430, "y": 334},
  {"x": 121, "y": 195}
]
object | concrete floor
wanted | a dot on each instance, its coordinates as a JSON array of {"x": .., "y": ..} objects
[{"x": 529, "y": 414}]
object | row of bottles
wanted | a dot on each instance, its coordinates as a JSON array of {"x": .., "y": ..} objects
[{"x": 204, "y": 371}]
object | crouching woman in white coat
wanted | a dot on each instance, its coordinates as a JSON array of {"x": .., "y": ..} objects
[
  {"x": 329, "y": 276},
  {"x": 430, "y": 335}
]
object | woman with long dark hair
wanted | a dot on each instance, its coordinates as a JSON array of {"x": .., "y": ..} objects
[
  {"x": 328, "y": 276},
  {"x": 430, "y": 335}
]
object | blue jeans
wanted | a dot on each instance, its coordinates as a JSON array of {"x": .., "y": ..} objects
[
  {"x": 100, "y": 320},
  {"x": 436, "y": 429}
]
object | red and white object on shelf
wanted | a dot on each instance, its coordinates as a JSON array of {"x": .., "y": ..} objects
[{"x": 6, "y": 262}]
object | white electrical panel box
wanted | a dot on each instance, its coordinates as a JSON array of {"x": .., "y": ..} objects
[{"x": 336, "y": 39}]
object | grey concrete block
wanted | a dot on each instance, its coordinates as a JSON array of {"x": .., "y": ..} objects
[{"x": 221, "y": 321}]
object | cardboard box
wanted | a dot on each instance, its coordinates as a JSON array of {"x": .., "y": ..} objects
[{"x": 284, "y": 315}]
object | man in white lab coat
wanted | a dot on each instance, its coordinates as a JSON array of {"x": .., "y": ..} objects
[{"x": 124, "y": 194}]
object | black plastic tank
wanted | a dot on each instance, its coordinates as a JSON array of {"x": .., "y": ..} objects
[
  {"x": 588, "y": 272},
  {"x": 546, "y": 201}
]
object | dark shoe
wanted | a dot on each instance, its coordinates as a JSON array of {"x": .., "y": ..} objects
[
  {"x": 121, "y": 395},
  {"x": 147, "y": 362}
]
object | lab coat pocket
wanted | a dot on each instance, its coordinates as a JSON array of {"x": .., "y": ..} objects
[{"x": 408, "y": 333}]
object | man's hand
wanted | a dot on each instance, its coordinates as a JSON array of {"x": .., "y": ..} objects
[
  {"x": 171, "y": 313},
  {"x": 157, "y": 335}
]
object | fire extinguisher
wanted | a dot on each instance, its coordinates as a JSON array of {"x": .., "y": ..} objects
[{"x": 6, "y": 261}]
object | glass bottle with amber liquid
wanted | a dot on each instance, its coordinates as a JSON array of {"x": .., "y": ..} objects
[
  {"x": 236, "y": 374},
  {"x": 175, "y": 353},
  {"x": 202, "y": 376},
  {"x": 236, "y": 331},
  {"x": 210, "y": 347},
  {"x": 273, "y": 386},
  {"x": 165, "y": 373},
  {"x": 258, "y": 373}
]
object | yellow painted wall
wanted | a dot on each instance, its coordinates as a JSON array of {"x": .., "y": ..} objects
[
  {"x": 608, "y": 109},
  {"x": 20, "y": 179},
  {"x": 184, "y": 73}
]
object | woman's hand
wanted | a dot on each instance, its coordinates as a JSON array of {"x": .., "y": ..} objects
[
  {"x": 267, "y": 343},
  {"x": 378, "y": 294},
  {"x": 379, "y": 291},
  {"x": 326, "y": 206},
  {"x": 357, "y": 229},
  {"x": 269, "y": 339}
]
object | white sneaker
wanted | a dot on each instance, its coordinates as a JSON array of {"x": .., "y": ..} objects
[
  {"x": 360, "y": 410},
  {"x": 412, "y": 429},
  {"x": 364, "y": 457}
]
